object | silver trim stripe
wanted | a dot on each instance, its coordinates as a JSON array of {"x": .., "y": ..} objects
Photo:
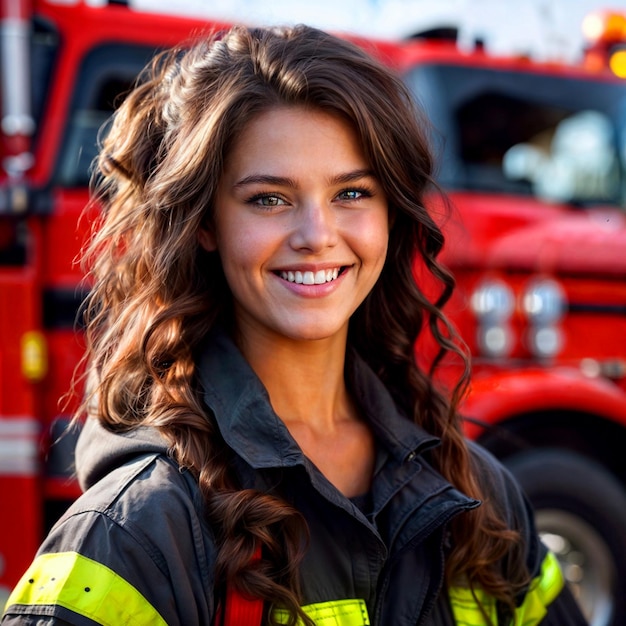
[{"x": 19, "y": 446}]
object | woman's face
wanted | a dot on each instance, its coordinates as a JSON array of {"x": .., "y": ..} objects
[{"x": 300, "y": 224}]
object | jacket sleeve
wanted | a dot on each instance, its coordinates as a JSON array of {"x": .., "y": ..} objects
[
  {"x": 564, "y": 611},
  {"x": 137, "y": 557},
  {"x": 547, "y": 601},
  {"x": 91, "y": 571}
]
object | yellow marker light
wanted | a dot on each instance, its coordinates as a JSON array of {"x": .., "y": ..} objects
[
  {"x": 617, "y": 63},
  {"x": 34, "y": 356}
]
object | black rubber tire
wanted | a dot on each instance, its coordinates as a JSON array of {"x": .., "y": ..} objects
[{"x": 568, "y": 486}]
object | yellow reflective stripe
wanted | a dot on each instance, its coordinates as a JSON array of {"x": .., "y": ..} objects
[
  {"x": 467, "y": 609},
  {"x": 86, "y": 587},
  {"x": 333, "y": 613},
  {"x": 542, "y": 592}
]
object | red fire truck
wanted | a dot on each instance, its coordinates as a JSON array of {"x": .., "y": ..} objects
[{"x": 532, "y": 157}]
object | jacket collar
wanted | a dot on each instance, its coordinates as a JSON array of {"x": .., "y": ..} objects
[{"x": 250, "y": 426}]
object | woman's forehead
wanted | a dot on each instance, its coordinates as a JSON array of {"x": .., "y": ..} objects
[{"x": 282, "y": 137}]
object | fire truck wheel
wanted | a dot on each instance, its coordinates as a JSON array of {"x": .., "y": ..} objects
[{"x": 581, "y": 515}]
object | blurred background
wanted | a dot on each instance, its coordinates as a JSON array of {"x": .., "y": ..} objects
[
  {"x": 527, "y": 101},
  {"x": 547, "y": 28}
]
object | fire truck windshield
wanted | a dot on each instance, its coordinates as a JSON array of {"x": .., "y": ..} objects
[
  {"x": 106, "y": 74},
  {"x": 557, "y": 138}
]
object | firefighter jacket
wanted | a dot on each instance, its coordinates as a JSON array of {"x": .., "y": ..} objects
[{"x": 135, "y": 547}]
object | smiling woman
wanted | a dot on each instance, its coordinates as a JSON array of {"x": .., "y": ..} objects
[
  {"x": 257, "y": 421},
  {"x": 300, "y": 226}
]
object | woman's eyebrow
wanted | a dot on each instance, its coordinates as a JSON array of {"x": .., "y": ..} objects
[
  {"x": 286, "y": 181},
  {"x": 350, "y": 177},
  {"x": 265, "y": 179}
]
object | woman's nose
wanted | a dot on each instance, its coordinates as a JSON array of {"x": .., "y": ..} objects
[{"x": 315, "y": 228}]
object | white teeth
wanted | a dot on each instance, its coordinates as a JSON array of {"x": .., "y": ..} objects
[{"x": 309, "y": 278}]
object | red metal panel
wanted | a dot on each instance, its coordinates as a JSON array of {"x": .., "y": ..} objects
[
  {"x": 497, "y": 395},
  {"x": 20, "y": 494}
]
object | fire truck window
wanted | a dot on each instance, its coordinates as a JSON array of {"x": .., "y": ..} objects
[
  {"x": 490, "y": 124},
  {"x": 106, "y": 74},
  {"x": 575, "y": 161},
  {"x": 496, "y": 126}
]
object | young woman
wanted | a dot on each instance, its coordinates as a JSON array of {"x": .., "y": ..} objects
[{"x": 258, "y": 423}]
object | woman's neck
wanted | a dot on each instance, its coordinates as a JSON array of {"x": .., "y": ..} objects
[
  {"x": 304, "y": 379},
  {"x": 306, "y": 385}
]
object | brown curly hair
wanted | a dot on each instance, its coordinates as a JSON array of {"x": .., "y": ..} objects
[{"x": 156, "y": 293}]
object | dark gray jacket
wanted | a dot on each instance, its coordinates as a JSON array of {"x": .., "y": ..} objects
[{"x": 141, "y": 518}]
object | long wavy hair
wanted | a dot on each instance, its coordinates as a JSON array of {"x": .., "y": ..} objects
[{"x": 156, "y": 293}]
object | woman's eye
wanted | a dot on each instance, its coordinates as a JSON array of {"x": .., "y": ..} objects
[
  {"x": 353, "y": 194},
  {"x": 267, "y": 200}
]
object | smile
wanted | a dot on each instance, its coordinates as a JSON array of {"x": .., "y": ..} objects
[{"x": 311, "y": 278}]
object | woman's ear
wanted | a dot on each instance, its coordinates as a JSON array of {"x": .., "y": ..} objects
[{"x": 206, "y": 238}]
